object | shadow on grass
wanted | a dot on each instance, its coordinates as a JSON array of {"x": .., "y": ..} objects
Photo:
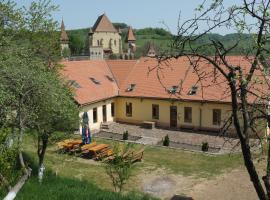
[{"x": 56, "y": 187}]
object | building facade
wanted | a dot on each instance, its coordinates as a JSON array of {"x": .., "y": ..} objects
[
  {"x": 104, "y": 39},
  {"x": 138, "y": 91}
]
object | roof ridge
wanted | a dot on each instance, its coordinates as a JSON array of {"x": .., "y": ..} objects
[
  {"x": 113, "y": 77},
  {"x": 128, "y": 75}
]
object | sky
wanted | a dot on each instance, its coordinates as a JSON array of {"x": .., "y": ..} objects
[{"x": 136, "y": 13}]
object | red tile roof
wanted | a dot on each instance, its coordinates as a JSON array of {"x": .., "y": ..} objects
[
  {"x": 103, "y": 24},
  {"x": 121, "y": 69},
  {"x": 63, "y": 36},
  {"x": 81, "y": 72},
  {"x": 152, "y": 80},
  {"x": 130, "y": 35}
]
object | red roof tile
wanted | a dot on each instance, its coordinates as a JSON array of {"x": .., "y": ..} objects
[
  {"x": 152, "y": 80},
  {"x": 64, "y": 36},
  {"x": 103, "y": 24},
  {"x": 81, "y": 71},
  {"x": 130, "y": 35},
  {"x": 121, "y": 69}
]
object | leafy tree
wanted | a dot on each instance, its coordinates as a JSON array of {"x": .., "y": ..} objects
[
  {"x": 32, "y": 96},
  {"x": 76, "y": 44},
  {"x": 248, "y": 103},
  {"x": 66, "y": 52},
  {"x": 120, "y": 167}
]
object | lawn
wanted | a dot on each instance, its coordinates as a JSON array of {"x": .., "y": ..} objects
[{"x": 70, "y": 177}]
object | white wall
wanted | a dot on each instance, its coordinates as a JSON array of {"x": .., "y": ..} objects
[{"x": 98, "y": 105}]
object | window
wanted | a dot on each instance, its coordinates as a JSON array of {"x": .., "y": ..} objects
[
  {"x": 131, "y": 87},
  {"x": 114, "y": 42},
  {"x": 94, "y": 80},
  {"x": 128, "y": 109},
  {"x": 193, "y": 90},
  {"x": 188, "y": 115},
  {"x": 155, "y": 111},
  {"x": 173, "y": 89},
  {"x": 73, "y": 83},
  {"x": 95, "y": 119},
  {"x": 110, "y": 78},
  {"x": 98, "y": 42},
  {"x": 216, "y": 116},
  {"x": 112, "y": 109}
]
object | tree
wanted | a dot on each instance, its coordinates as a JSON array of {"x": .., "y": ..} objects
[
  {"x": 120, "y": 167},
  {"x": 57, "y": 112},
  {"x": 32, "y": 94},
  {"x": 248, "y": 103},
  {"x": 66, "y": 53}
]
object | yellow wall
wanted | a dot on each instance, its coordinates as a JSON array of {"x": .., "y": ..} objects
[
  {"x": 106, "y": 36},
  {"x": 98, "y": 105},
  {"x": 142, "y": 111}
]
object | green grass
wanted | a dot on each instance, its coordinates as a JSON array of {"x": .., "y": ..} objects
[
  {"x": 55, "y": 187},
  {"x": 68, "y": 176},
  {"x": 188, "y": 163}
]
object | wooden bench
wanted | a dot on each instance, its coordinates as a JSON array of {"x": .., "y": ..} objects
[{"x": 149, "y": 124}]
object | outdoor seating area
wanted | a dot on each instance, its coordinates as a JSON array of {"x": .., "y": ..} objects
[{"x": 95, "y": 151}]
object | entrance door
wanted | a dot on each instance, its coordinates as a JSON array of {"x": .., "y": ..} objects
[
  {"x": 104, "y": 113},
  {"x": 173, "y": 116}
]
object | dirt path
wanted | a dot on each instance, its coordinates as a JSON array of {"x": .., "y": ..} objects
[
  {"x": 229, "y": 186},
  {"x": 233, "y": 185}
]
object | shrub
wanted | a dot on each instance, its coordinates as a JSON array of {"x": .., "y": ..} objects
[
  {"x": 166, "y": 141},
  {"x": 125, "y": 135},
  {"x": 58, "y": 136},
  {"x": 205, "y": 146}
]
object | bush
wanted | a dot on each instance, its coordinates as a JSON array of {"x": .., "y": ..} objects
[
  {"x": 125, "y": 135},
  {"x": 9, "y": 169},
  {"x": 205, "y": 146},
  {"x": 166, "y": 141},
  {"x": 58, "y": 136}
]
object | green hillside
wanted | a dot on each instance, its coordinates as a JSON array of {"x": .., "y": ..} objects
[{"x": 160, "y": 38}]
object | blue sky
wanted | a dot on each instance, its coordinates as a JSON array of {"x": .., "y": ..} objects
[{"x": 137, "y": 13}]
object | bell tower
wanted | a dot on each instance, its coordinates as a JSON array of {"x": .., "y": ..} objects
[
  {"x": 64, "y": 41},
  {"x": 131, "y": 46}
]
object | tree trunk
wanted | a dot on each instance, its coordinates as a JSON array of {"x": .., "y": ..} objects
[
  {"x": 21, "y": 132},
  {"x": 245, "y": 145},
  {"x": 42, "y": 146},
  {"x": 13, "y": 192},
  {"x": 266, "y": 178}
]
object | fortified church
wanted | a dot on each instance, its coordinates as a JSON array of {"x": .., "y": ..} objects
[{"x": 105, "y": 40}]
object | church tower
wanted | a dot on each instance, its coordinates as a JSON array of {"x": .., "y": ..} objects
[
  {"x": 104, "y": 39},
  {"x": 64, "y": 41},
  {"x": 130, "y": 40}
]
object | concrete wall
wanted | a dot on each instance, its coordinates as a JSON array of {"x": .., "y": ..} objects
[
  {"x": 106, "y": 37},
  {"x": 98, "y": 105}
]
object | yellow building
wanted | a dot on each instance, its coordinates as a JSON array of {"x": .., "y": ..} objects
[{"x": 167, "y": 93}]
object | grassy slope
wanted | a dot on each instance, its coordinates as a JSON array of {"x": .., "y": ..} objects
[
  {"x": 163, "y": 42},
  {"x": 78, "y": 177}
]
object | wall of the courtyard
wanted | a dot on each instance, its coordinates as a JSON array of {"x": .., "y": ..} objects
[
  {"x": 98, "y": 105},
  {"x": 202, "y": 113}
]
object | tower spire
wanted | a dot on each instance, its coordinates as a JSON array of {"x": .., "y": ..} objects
[{"x": 65, "y": 51}]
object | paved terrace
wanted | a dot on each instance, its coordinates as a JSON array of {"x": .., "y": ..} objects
[{"x": 155, "y": 135}]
